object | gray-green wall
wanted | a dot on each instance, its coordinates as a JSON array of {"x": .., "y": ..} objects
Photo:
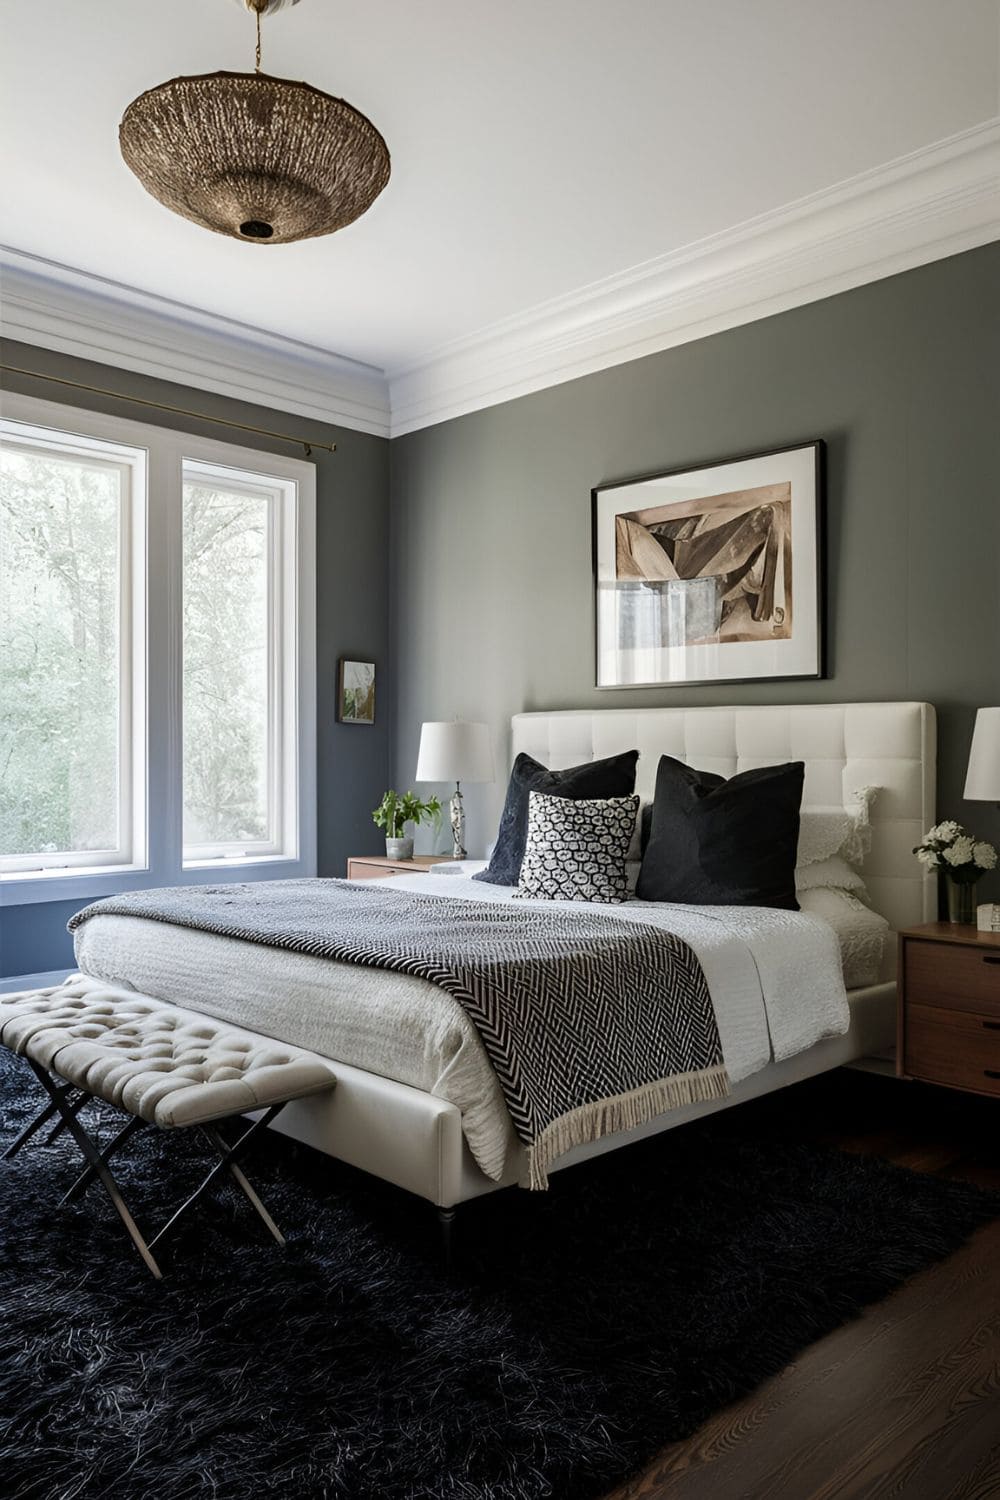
[
  {"x": 352, "y": 531},
  {"x": 492, "y": 607},
  {"x": 473, "y": 591}
]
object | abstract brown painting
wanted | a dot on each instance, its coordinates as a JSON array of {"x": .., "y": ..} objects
[
  {"x": 722, "y": 567},
  {"x": 705, "y": 583}
]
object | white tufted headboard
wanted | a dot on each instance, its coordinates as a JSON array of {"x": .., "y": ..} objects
[{"x": 844, "y": 745}]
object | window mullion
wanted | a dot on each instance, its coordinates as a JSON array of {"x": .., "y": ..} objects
[
  {"x": 276, "y": 648},
  {"x": 163, "y": 656}
]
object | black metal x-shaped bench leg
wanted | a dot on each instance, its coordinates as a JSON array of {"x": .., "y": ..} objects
[
  {"x": 86, "y": 1177},
  {"x": 237, "y": 1173},
  {"x": 227, "y": 1163},
  {"x": 97, "y": 1161},
  {"x": 43, "y": 1118},
  {"x": 60, "y": 1125}
]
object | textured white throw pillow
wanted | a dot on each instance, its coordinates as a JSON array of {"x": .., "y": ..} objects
[
  {"x": 828, "y": 832},
  {"x": 576, "y": 851},
  {"x": 826, "y": 874},
  {"x": 861, "y": 933}
]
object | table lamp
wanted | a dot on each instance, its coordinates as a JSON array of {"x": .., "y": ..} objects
[
  {"x": 455, "y": 751},
  {"x": 982, "y": 784}
]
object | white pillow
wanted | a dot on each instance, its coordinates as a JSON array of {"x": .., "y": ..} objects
[
  {"x": 826, "y": 832},
  {"x": 861, "y": 933},
  {"x": 833, "y": 873}
]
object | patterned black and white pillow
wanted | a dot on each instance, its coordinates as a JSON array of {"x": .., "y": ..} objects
[{"x": 576, "y": 851}]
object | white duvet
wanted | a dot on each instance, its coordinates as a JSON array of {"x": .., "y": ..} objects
[{"x": 774, "y": 977}]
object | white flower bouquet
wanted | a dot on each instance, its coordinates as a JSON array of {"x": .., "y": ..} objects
[{"x": 951, "y": 848}]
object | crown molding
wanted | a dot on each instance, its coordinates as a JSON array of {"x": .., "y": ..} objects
[
  {"x": 932, "y": 203},
  {"x": 73, "y": 312}
]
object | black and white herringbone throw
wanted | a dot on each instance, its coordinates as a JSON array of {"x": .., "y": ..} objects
[{"x": 593, "y": 1024}]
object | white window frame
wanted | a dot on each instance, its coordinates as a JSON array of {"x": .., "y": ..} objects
[
  {"x": 131, "y": 462},
  {"x": 282, "y": 606},
  {"x": 157, "y": 856}
]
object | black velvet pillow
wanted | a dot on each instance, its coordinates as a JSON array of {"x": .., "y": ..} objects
[
  {"x": 614, "y": 777},
  {"x": 715, "y": 842}
]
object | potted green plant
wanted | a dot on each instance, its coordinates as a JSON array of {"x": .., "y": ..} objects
[{"x": 394, "y": 812}]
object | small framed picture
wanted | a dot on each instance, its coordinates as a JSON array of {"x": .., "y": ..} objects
[
  {"x": 712, "y": 574},
  {"x": 356, "y": 692}
]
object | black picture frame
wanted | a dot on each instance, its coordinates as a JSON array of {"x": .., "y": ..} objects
[
  {"x": 348, "y": 689},
  {"x": 806, "y": 470}
]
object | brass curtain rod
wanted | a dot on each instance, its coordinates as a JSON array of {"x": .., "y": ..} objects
[{"x": 179, "y": 411}]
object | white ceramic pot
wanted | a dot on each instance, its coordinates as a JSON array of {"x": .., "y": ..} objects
[{"x": 399, "y": 848}]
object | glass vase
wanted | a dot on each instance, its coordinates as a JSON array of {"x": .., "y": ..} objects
[{"x": 961, "y": 900}]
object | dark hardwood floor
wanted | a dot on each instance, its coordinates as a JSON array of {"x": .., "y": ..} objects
[{"x": 904, "y": 1401}]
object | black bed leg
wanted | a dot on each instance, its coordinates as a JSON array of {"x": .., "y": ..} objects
[{"x": 446, "y": 1219}]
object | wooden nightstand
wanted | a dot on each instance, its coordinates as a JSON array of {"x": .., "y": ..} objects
[
  {"x": 377, "y": 867},
  {"x": 948, "y": 1000}
]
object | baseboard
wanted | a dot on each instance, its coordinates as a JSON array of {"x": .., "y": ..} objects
[
  {"x": 33, "y": 981},
  {"x": 886, "y": 1066}
]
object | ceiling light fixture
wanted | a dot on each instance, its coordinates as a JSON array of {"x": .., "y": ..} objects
[{"x": 262, "y": 159}]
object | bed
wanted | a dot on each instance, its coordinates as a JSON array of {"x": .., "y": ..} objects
[{"x": 424, "y": 1110}]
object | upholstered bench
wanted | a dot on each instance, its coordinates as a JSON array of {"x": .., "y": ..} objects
[{"x": 161, "y": 1066}]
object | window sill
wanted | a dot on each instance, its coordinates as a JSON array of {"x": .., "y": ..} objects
[
  {"x": 67, "y": 872},
  {"x": 238, "y": 861},
  {"x": 87, "y": 882},
  {"x": 111, "y": 880}
]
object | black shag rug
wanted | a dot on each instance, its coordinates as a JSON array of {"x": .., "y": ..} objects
[{"x": 582, "y": 1330}]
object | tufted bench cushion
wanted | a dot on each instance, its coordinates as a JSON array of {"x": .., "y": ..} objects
[{"x": 171, "y": 1067}]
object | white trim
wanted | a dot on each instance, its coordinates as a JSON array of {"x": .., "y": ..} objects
[
  {"x": 167, "y": 451},
  {"x": 130, "y": 461},
  {"x": 91, "y": 317},
  {"x": 934, "y": 202},
  {"x": 281, "y": 496}
]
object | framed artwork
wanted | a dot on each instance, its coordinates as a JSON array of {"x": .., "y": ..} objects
[
  {"x": 356, "y": 692},
  {"x": 712, "y": 574}
]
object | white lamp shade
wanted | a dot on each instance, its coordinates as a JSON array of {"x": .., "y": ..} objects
[
  {"x": 455, "y": 751},
  {"x": 982, "y": 784}
]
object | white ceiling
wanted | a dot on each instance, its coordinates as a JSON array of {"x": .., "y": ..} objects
[{"x": 538, "y": 146}]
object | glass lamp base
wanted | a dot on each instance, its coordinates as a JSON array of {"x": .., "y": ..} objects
[{"x": 457, "y": 824}]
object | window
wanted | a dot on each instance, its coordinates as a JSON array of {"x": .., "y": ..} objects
[
  {"x": 157, "y": 701},
  {"x": 238, "y": 663},
  {"x": 70, "y": 641}
]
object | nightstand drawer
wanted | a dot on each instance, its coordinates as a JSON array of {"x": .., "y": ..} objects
[
  {"x": 957, "y": 1048},
  {"x": 358, "y": 870},
  {"x": 955, "y": 977}
]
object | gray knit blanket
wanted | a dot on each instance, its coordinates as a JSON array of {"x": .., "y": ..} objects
[{"x": 592, "y": 1024}]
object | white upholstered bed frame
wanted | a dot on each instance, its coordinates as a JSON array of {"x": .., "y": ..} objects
[{"x": 415, "y": 1140}]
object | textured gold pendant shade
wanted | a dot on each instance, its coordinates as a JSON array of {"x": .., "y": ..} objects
[{"x": 262, "y": 159}]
